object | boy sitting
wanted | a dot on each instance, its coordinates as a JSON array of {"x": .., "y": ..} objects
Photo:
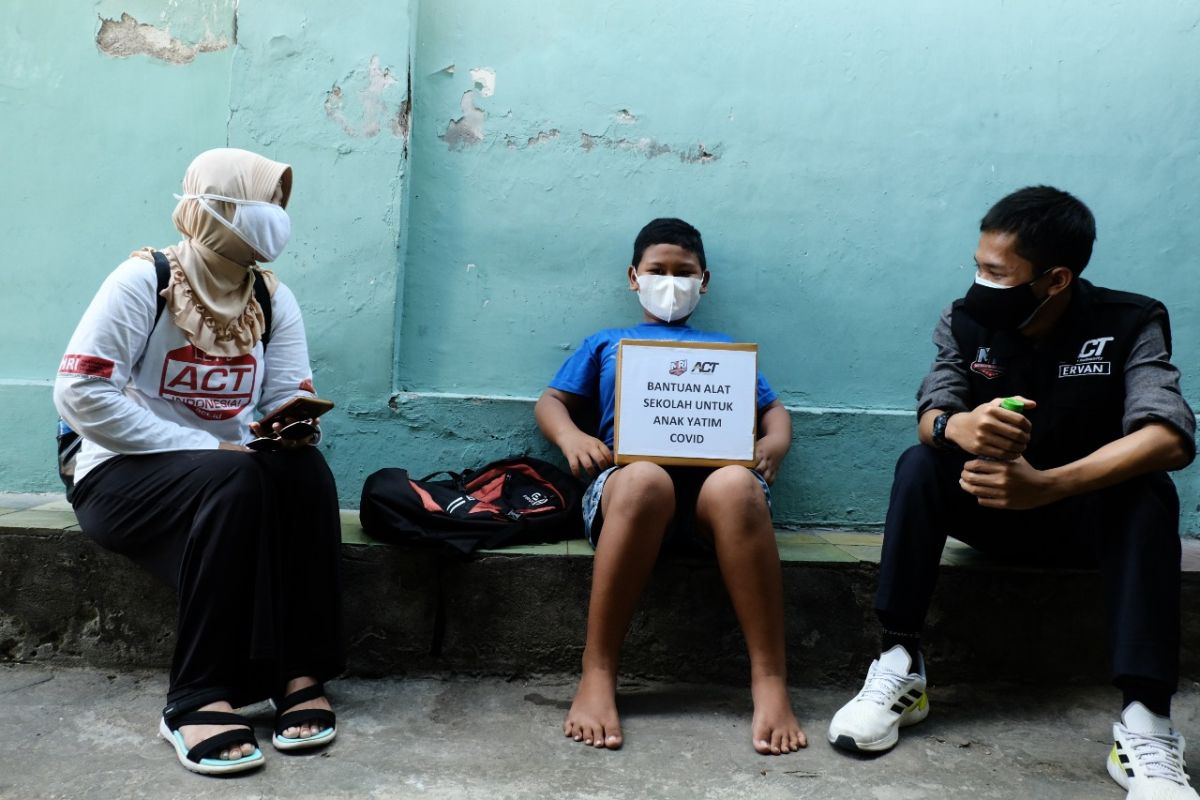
[{"x": 631, "y": 512}]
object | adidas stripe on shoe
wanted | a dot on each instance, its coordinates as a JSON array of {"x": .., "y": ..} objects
[
  {"x": 893, "y": 696},
  {"x": 1147, "y": 757}
]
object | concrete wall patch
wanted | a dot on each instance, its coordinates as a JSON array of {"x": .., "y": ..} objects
[{"x": 126, "y": 37}]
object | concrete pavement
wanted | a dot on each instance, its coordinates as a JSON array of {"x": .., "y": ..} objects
[{"x": 83, "y": 733}]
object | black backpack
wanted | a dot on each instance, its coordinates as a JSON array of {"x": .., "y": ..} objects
[
  {"x": 517, "y": 500},
  {"x": 69, "y": 441}
]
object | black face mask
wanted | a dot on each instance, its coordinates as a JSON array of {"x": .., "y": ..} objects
[{"x": 1003, "y": 309}]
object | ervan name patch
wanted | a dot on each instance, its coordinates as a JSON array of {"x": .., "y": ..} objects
[
  {"x": 211, "y": 386},
  {"x": 1090, "y": 368}
]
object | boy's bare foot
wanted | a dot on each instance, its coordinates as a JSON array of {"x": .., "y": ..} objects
[
  {"x": 593, "y": 716},
  {"x": 194, "y": 734},
  {"x": 313, "y": 728},
  {"x": 774, "y": 729}
]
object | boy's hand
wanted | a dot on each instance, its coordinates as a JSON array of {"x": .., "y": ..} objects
[
  {"x": 585, "y": 454},
  {"x": 768, "y": 460},
  {"x": 991, "y": 431}
]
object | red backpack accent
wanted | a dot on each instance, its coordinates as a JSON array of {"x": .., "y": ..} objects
[{"x": 513, "y": 501}]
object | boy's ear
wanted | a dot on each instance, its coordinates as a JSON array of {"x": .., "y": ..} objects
[
  {"x": 633, "y": 287},
  {"x": 704, "y": 282}
]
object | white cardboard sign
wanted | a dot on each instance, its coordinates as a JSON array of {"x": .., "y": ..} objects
[{"x": 692, "y": 403}]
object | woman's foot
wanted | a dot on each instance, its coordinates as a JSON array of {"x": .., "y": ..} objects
[
  {"x": 774, "y": 729},
  {"x": 311, "y": 727},
  {"x": 593, "y": 716},
  {"x": 194, "y": 734}
]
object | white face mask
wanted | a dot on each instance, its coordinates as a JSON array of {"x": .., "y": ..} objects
[
  {"x": 264, "y": 226},
  {"x": 667, "y": 297}
]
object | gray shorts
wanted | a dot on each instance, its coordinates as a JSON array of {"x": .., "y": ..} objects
[{"x": 687, "y": 480}]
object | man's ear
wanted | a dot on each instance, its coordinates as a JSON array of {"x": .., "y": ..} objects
[
  {"x": 633, "y": 286},
  {"x": 1060, "y": 279},
  {"x": 704, "y": 282}
]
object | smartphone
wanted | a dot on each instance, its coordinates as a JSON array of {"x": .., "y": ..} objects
[{"x": 297, "y": 408}]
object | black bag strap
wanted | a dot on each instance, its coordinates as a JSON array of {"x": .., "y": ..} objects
[
  {"x": 454, "y": 476},
  {"x": 162, "y": 270},
  {"x": 263, "y": 296}
]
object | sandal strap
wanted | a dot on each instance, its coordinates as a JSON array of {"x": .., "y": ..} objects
[
  {"x": 294, "y": 719},
  {"x": 207, "y": 718},
  {"x": 222, "y": 741},
  {"x": 300, "y": 696}
]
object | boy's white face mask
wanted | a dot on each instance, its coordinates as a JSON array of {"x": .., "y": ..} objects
[
  {"x": 264, "y": 226},
  {"x": 668, "y": 298}
]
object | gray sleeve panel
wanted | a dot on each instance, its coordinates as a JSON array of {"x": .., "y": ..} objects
[
  {"x": 946, "y": 385},
  {"x": 1152, "y": 391}
]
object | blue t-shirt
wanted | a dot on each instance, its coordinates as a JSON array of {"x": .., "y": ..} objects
[{"x": 591, "y": 371}]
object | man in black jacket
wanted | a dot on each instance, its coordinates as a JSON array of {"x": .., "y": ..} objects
[{"x": 1074, "y": 462}]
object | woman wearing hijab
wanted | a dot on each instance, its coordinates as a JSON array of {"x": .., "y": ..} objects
[{"x": 163, "y": 390}]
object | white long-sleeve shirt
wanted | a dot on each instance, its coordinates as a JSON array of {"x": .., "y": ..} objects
[{"x": 130, "y": 386}]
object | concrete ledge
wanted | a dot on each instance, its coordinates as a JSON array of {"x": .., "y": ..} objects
[{"x": 523, "y": 611}]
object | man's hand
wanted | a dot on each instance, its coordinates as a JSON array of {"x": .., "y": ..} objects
[
  {"x": 1014, "y": 485},
  {"x": 991, "y": 431},
  {"x": 585, "y": 454}
]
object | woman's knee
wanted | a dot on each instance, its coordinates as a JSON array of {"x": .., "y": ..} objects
[{"x": 234, "y": 477}]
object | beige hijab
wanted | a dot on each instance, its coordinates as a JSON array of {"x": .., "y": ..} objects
[{"x": 211, "y": 291}]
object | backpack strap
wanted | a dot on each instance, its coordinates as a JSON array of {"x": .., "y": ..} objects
[
  {"x": 263, "y": 296},
  {"x": 162, "y": 270}
]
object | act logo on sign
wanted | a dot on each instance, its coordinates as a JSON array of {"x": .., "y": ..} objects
[{"x": 211, "y": 386}]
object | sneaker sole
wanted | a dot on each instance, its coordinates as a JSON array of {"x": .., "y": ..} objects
[{"x": 851, "y": 745}]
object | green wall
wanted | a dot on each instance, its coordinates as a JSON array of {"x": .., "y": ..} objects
[{"x": 449, "y": 256}]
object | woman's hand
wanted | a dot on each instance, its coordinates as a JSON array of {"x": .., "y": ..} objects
[{"x": 287, "y": 443}]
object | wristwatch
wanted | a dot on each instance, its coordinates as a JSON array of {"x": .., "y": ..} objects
[{"x": 939, "y": 430}]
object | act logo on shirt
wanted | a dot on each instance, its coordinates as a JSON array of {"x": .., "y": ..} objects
[
  {"x": 1088, "y": 362},
  {"x": 211, "y": 386}
]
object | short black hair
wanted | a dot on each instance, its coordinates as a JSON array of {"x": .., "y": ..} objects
[
  {"x": 1053, "y": 228},
  {"x": 668, "y": 230}
]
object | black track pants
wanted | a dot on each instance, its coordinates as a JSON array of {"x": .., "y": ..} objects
[
  {"x": 251, "y": 544},
  {"x": 1130, "y": 531}
]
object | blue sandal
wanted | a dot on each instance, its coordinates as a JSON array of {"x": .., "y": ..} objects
[
  {"x": 197, "y": 759},
  {"x": 285, "y": 719}
]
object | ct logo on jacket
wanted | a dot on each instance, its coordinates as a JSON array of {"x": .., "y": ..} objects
[{"x": 213, "y": 387}]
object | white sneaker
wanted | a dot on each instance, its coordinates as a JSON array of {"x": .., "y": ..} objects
[
  {"x": 892, "y": 697},
  {"x": 1147, "y": 757}
]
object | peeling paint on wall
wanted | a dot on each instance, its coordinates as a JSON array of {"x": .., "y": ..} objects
[
  {"x": 539, "y": 138},
  {"x": 485, "y": 80},
  {"x": 127, "y": 37},
  {"x": 372, "y": 99},
  {"x": 467, "y": 130},
  {"x": 650, "y": 148}
]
